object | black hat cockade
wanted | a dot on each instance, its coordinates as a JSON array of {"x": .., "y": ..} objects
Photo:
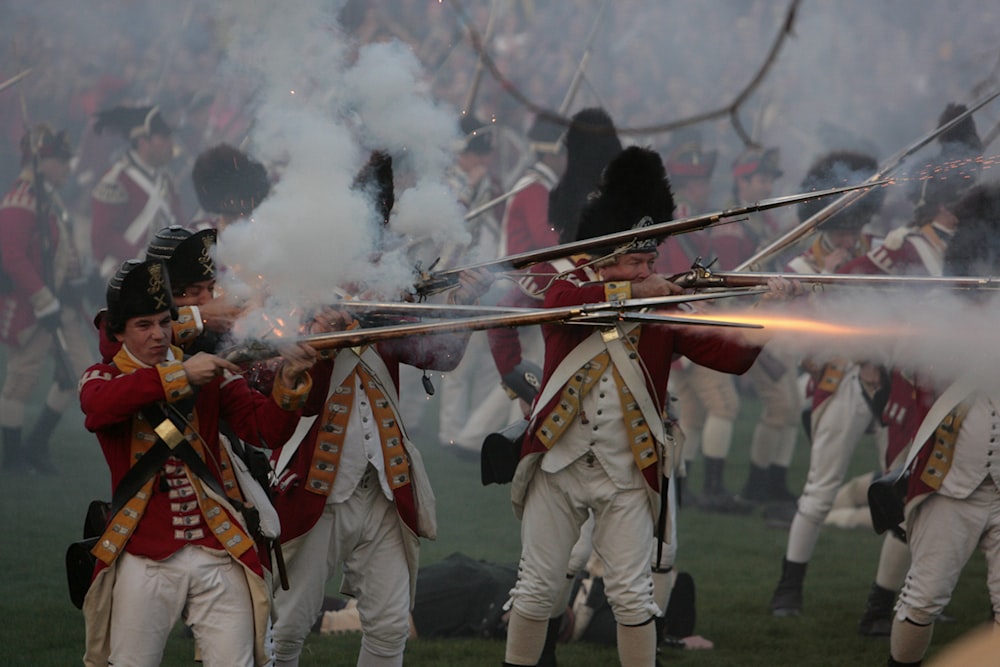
[
  {"x": 41, "y": 142},
  {"x": 227, "y": 181},
  {"x": 133, "y": 122},
  {"x": 187, "y": 254},
  {"x": 634, "y": 192},
  {"x": 836, "y": 169},
  {"x": 138, "y": 289}
]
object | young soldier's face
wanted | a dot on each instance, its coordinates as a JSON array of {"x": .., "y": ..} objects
[{"x": 148, "y": 337}]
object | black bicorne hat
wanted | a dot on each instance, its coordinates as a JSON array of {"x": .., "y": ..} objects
[
  {"x": 188, "y": 255},
  {"x": 634, "y": 192},
  {"x": 836, "y": 169},
  {"x": 136, "y": 290},
  {"x": 546, "y": 136},
  {"x": 132, "y": 122},
  {"x": 227, "y": 181}
]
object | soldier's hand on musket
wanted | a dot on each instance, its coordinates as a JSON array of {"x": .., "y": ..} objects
[
  {"x": 203, "y": 367},
  {"x": 298, "y": 358},
  {"x": 330, "y": 319},
  {"x": 781, "y": 289},
  {"x": 472, "y": 284},
  {"x": 654, "y": 285}
]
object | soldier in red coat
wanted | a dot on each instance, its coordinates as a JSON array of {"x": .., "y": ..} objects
[
  {"x": 178, "y": 540},
  {"x": 847, "y": 394},
  {"x": 137, "y": 195},
  {"x": 708, "y": 415},
  {"x": 690, "y": 169},
  {"x": 953, "y": 504},
  {"x": 918, "y": 249},
  {"x": 596, "y": 442},
  {"x": 591, "y": 143},
  {"x": 40, "y": 300},
  {"x": 525, "y": 225}
]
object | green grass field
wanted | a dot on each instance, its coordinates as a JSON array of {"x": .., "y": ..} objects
[{"x": 735, "y": 563}]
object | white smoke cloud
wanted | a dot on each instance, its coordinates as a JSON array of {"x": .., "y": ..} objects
[
  {"x": 321, "y": 112},
  {"x": 942, "y": 333}
]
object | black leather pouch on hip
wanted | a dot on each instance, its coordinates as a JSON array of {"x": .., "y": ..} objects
[
  {"x": 501, "y": 452},
  {"x": 886, "y": 501},
  {"x": 79, "y": 561}
]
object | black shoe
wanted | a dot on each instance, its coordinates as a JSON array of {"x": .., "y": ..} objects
[
  {"x": 787, "y": 598},
  {"x": 876, "y": 621},
  {"x": 786, "y": 602}
]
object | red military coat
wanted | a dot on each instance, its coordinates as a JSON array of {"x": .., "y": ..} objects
[
  {"x": 657, "y": 346},
  {"x": 907, "y": 251},
  {"x": 526, "y": 219},
  {"x": 22, "y": 257},
  {"x": 122, "y": 224},
  {"x": 298, "y": 508},
  {"x": 111, "y": 398}
]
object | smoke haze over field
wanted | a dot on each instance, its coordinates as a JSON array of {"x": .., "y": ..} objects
[{"x": 312, "y": 87}]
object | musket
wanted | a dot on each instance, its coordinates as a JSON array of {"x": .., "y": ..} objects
[
  {"x": 499, "y": 199},
  {"x": 470, "y": 97},
  {"x": 890, "y": 165},
  {"x": 599, "y": 314},
  {"x": 64, "y": 374},
  {"x": 431, "y": 283},
  {"x": 702, "y": 277},
  {"x": 581, "y": 67},
  {"x": 14, "y": 79},
  {"x": 563, "y": 109}
]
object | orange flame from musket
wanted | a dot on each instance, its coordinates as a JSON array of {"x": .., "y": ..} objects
[{"x": 793, "y": 324}]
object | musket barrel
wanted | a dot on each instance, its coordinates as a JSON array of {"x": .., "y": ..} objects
[
  {"x": 443, "y": 279},
  {"x": 732, "y": 279},
  {"x": 354, "y": 337}
]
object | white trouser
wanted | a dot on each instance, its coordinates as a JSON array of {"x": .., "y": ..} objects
[
  {"x": 150, "y": 595},
  {"x": 366, "y": 536},
  {"x": 837, "y": 426},
  {"x": 943, "y": 534},
  {"x": 556, "y": 506}
]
